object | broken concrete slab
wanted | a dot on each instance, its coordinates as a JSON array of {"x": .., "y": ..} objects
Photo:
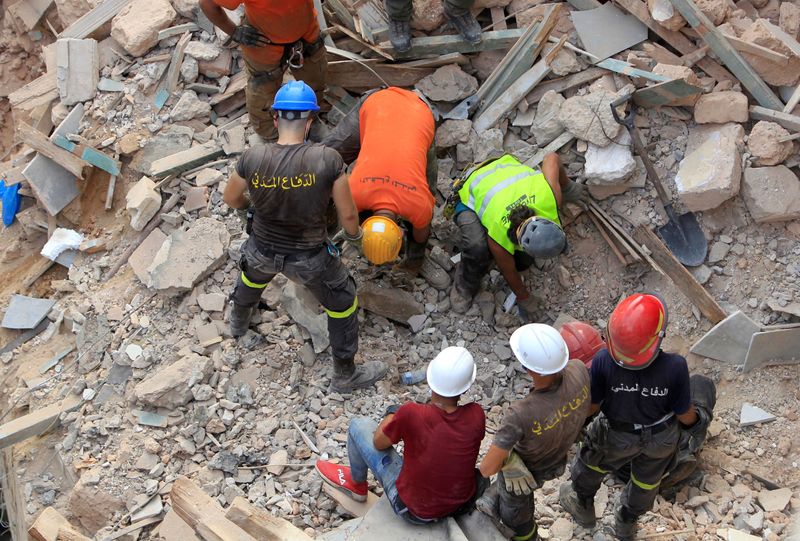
[
  {"x": 171, "y": 140},
  {"x": 449, "y": 83},
  {"x": 26, "y": 312},
  {"x": 711, "y": 172},
  {"x": 202, "y": 50},
  {"x": 611, "y": 164},
  {"x": 751, "y": 415},
  {"x": 764, "y": 143},
  {"x": 189, "y": 106},
  {"x": 142, "y": 257},
  {"x": 142, "y": 202},
  {"x": 452, "y": 132},
  {"x": 721, "y": 107},
  {"x": 478, "y": 527},
  {"x": 136, "y": 27},
  {"x": 775, "y": 500},
  {"x": 392, "y": 303},
  {"x": 171, "y": 386},
  {"x": 780, "y": 346},
  {"x": 589, "y": 117},
  {"x": 188, "y": 256},
  {"x": 771, "y": 194},
  {"x": 382, "y": 523},
  {"x": 547, "y": 124},
  {"x": 638, "y": 179},
  {"x": 78, "y": 70},
  {"x": 208, "y": 177},
  {"x": 212, "y": 302},
  {"x": 728, "y": 340},
  {"x": 303, "y": 308}
]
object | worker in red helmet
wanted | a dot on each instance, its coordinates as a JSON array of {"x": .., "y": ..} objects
[
  {"x": 582, "y": 340},
  {"x": 644, "y": 395}
]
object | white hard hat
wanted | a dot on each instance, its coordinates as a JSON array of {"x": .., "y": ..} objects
[
  {"x": 540, "y": 348},
  {"x": 452, "y": 372}
]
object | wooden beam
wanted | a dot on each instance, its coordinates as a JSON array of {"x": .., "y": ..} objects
[
  {"x": 347, "y": 32},
  {"x": 676, "y": 40},
  {"x": 323, "y": 26},
  {"x": 438, "y": 61},
  {"x": 451, "y": 43},
  {"x": 793, "y": 101},
  {"x": 36, "y": 422},
  {"x": 757, "y": 50},
  {"x": 661, "y": 54},
  {"x": 666, "y": 93},
  {"x": 355, "y": 76},
  {"x": 564, "y": 83},
  {"x": 342, "y": 13},
  {"x": 724, "y": 50},
  {"x": 35, "y": 93},
  {"x": 47, "y": 525},
  {"x": 203, "y": 513},
  {"x": 790, "y": 122},
  {"x": 498, "y": 18},
  {"x": 41, "y": 144},
  {"x": 174, "y": 70},
  {"x": 679, "y": 275},
  {"x": 260, "y": 524},
  {"x": 185, "y": 160},
  {"x": 618, "y": 66},
  {"x": 94, "y": 19},
  {"x": 30, "y": 11},
  {"x": 89, "y": 154}
]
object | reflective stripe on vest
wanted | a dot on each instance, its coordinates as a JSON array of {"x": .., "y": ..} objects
[{"x": 495, "y": 189}]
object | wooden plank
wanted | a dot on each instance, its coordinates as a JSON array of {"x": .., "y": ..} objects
[
  {"x": 438, "y": 61},
  {"x": 342, "y": 13},
  {"x": 676, "y": 40},
  {"x": 790, "y": 122},
  {"x": 602, "y": 230},
  {"x": 665, "y": 93},
  {"x": 451, "y": 43},
  {"x": 174, "y": 70},
  {"x": 618, "y": 66},
  {"x": 36, "y": 422},
  {"x": 41, "y": 144},
  {"x": 30, "y": 11},
  {"x": 679, "y": 275},
  {"x": 35, "y": 93},
  {"x": 661, "y": 54},
  {"x": 564, "y": 83},
  {"x": 553, "y": 146},
  {"x": 177, "y": 30},
  {"x": 518, "y": 90},
  {"x": 498, "y": 18},
  {"x": 90, "y": 155},
  {"x": 793, "y": 101},
  {"x": 13, "y": 498},
  {"x": 730, "y": 56},
  {"x": 354, "y": 76},
  {"x": 323, "y": 26},
  {"x": 757, "y": 50},
  {"x": 260, "y": 524},
  {"x": 185, "y": 160},
  {"x": 621, "y": 239},
  {"x": 94, "y": 19},
  {"x": 347, "y": 32},
  {"x": 694, "y": 57},
  {"x": 203, "y": 513}
]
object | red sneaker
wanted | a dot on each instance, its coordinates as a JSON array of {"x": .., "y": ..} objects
[{"x": 338, "y": 477}]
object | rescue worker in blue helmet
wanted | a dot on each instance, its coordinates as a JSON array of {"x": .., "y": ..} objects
[
  {"x": 509, "y": 211},
  {"x": 288, "y": 186}
]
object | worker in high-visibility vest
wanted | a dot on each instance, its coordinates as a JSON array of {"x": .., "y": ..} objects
[{"x": 509, "y": 211}]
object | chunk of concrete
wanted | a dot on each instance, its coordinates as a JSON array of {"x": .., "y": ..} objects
[
  {"x": 721, "y": 107},
  {"x": 26, "y": 312},
  {"x": 452, "y": 132},
  {"x": 761, "y": 32},
  {"x": 142, "y": 202},
  {"x": 171, "y": 140},
  {"x": 77, "y": 70},
  {"x": 136, "y": 27},
  {"x": 611, "y": 164},
  {"x": 638, "y": 179},
  {"x": 771, "y": 194},
  {"x": 589, "y": 117},
  {"x": 392, "y": 303},
  {"x": 212, "y": 302},
  {"x": 728, "y": 340},
  {"x": 303, "y": 307},
  {"x": 208, "y": 177},
  {"x": 547, "y": 123},
  {"x": 764, "y": 143},
  {"x": 202, "y": 50},
  {"x": 711, "y": 172},
  {"x": 773, "y": 346},
  {"x": 142, "y": 257},
  {"x": 188, "y": 256},
  {"x": 449, "y": 83},
  {"x": 189, "y": 106},
  {"x": 752, "y": 415},
  {"x": 679, "y": 72},
  {"x": 775, "y": 500},
  {"x": 382, "y": 523},
  {"x": 219, "y": 67},
  {"x": 171, "y": 386}
]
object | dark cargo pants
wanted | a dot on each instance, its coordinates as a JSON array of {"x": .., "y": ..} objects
[
  {"x": 323, "y": 274},
  {"x": 517, "y": 511},
  {"x": 606, "y": 450},
  {"x": 401, "y": 10}
]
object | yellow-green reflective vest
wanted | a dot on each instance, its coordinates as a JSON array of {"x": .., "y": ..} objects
[{"x": 495, "y": 189}]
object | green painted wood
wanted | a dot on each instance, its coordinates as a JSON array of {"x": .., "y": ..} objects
[
  {"x": 665, "y": 93},
  {"x": 730, "y": 56},
  {"x": 618, "y": 66},
  {"x": 436, "y": 45},
  {"x": 64, "y": 143},
  {"x": 98, "y": 159}
]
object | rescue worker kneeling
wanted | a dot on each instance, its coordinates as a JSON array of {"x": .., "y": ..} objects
[
  {"x": 644, "y": 394},
  {"x": 290, "y": 184}
]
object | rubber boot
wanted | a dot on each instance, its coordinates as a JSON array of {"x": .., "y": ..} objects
[
  {"x": 581, "y": 509},
  {"x": 624, "y": 524},
  {"x": 467, "y": 26},
  {"x": 240, "y": 319},
  {"x": 347, "y": 377},
  {"x": 531, "y": 535},
  {"x": 400, "y": 35}
]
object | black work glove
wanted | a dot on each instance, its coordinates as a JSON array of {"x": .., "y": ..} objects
[
  {"x": 249, "y": 36},
  {"x": 697, "y": 432}
]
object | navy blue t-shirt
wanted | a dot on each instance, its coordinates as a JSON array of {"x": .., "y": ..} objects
[{"x": 640, "y": 396}]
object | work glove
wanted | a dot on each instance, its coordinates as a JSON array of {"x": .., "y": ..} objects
[
  {"x": 697, "y": 432},
  {"x": 249, "y": 36},
  {"x": 527, "y": 307},
  {"x": 355, "y": 241},
  {"x": 575, "y": 192},
  {"x": 518, "y": 479}
]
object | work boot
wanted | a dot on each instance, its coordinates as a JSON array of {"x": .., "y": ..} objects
[
  {"x": 400, "y": 35},
  {"x": 240, "y": 319},
  {"x": 459, "y": 302},
  {"x": 347, "y": 377},
  {"x": 488, "y": 504},
  {"x": 435, "y": 275},
  {"x": 581, "y": 509},
  {"x": 467, "y": 26},
  {"x": 624, "y": 524}
]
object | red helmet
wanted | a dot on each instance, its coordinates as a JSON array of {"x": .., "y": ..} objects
[
  {"x": 583, "y": 341},
  {"x": 635, "y": 330}
]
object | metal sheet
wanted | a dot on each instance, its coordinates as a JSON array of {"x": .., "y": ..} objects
[{"x": 607, "y": 30}]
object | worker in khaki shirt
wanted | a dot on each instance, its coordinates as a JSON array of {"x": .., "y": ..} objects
[
  {"x": 532, "y": 443},
  {"x": 275, "y": 35}
]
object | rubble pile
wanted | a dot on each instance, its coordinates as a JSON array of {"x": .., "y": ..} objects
[{"x": 150, "y": 102}]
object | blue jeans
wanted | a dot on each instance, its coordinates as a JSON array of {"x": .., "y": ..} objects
[{"x": 385, "y": 465}]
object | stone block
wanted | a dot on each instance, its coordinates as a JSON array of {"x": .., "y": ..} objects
[
  {"x": 638, "y": 179},
  {"x": 452, "y": 132},
  {"x": 449, "y": 83},
  {"x": 679, "y": 72},
  {"x": 611, "y": 164},
  {"x": 189, "y": 106},
  {"x": 789, "y": 18},
  {"x": 142, "y": 202},
  {"x": 771, "y": 194},
  {"x": 136, "y": 27},
  {"x": 171, "y": 386},
  {"x": 721, "y": 107},
  {"x": 765, "y": 146},
  {"x": 208, "y": 177},
  {"x": 547, "y": 124},
  {"x": 142, "y": 257},
  {"x": 711, "y": 172},
  {"x": 773, "y": 73},
  {"x": 589, "y": 117},
  {"x": 218, "y": 67},
  {"x": 202, "y": 50},
  {"x": 77, "y": 70}
]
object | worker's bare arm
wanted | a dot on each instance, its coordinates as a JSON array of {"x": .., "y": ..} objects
[
  {"x": 493, "y": 461},
  {"x": 421, "y": 234},
  {"x": 345, "y": 206},
  {"x": 508, "y": 268},
  {"x": 594, "y": 408},
  {"x": 556, "y": 174},
  {"x": 689, "y": 418},
  {"x": 235, "y": 195},
  {"x": 216, "y": 14},
  {"x": 380, "y": 440}
]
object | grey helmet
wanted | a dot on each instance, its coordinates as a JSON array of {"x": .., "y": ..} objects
[{"x": 541, "y": 238}]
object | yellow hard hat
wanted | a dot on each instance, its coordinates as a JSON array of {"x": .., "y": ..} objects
[{"x": 382, "y": 239}]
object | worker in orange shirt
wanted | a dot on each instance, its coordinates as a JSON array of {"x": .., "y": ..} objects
[
  {"x": 274, "y": 35},
  {"x": 390, "y": 133}
]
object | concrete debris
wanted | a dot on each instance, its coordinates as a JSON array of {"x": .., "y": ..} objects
[
  {"x": 303, "y": 308},
  {"x": 765, "y": 146},
  {"x": 679, "y": 72},
  {"x": 78, "y": 70},
  {"x": 395, "y": 304},
  {"x": 129, "y": 143},
  {"x": 752, "y": 415},
  {"x": 202, "y": 50},
  {"x": 218, "y": 67},
  {"x": 276, "y": 462},
  {"x": 772, "y": 194},
  {"x": 789, "y": 19},
  {"x": 142, "y": 203},
  {"x": 92, "y": 507},
  {"x": 189, "y": 106},
  {"x": 453, "y": 132},
  {"x": 610, "y": 164},
  {"x": 26, "y": 312},
  {"x": 171, "y": 386},
  {"x": 190, "y": 69},
  {"x": 208, "y": 177},
  {"x": 711, "y": 172},
  {"x": 564, "y": 62},
  {"x": 547, "y": 123},
  {"x": 428, "y": 15},
  {"x": 589, "y": 117},
  {"x": 775, "y": 500},
  {"x": 728, "y": 340},
  {"x": 136, "y": 27},
  {"x": 773, "y": 346},
  {"x": 212, "y": 302},
  {"x": 721, "y": 107},
  {"x": 142, "y": 257},
  {"x": 773, "y": 73},
  {"x": 448, "y": 83}
]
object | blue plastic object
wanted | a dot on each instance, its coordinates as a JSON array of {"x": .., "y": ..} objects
[
  {"x": 295, "y": 96},
  {"x": 412, "y": 378},
  {"x": 9, "y": 195}
]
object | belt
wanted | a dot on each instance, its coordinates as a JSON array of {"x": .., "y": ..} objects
[
  {"x": 290, "y": 256},
  {"x": 634, "y": 428}
]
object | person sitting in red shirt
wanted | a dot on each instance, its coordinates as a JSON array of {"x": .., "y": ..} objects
[{"x": 437, "y": 476}]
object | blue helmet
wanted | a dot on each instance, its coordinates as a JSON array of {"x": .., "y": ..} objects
[{"x": 295, "y": 100}]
